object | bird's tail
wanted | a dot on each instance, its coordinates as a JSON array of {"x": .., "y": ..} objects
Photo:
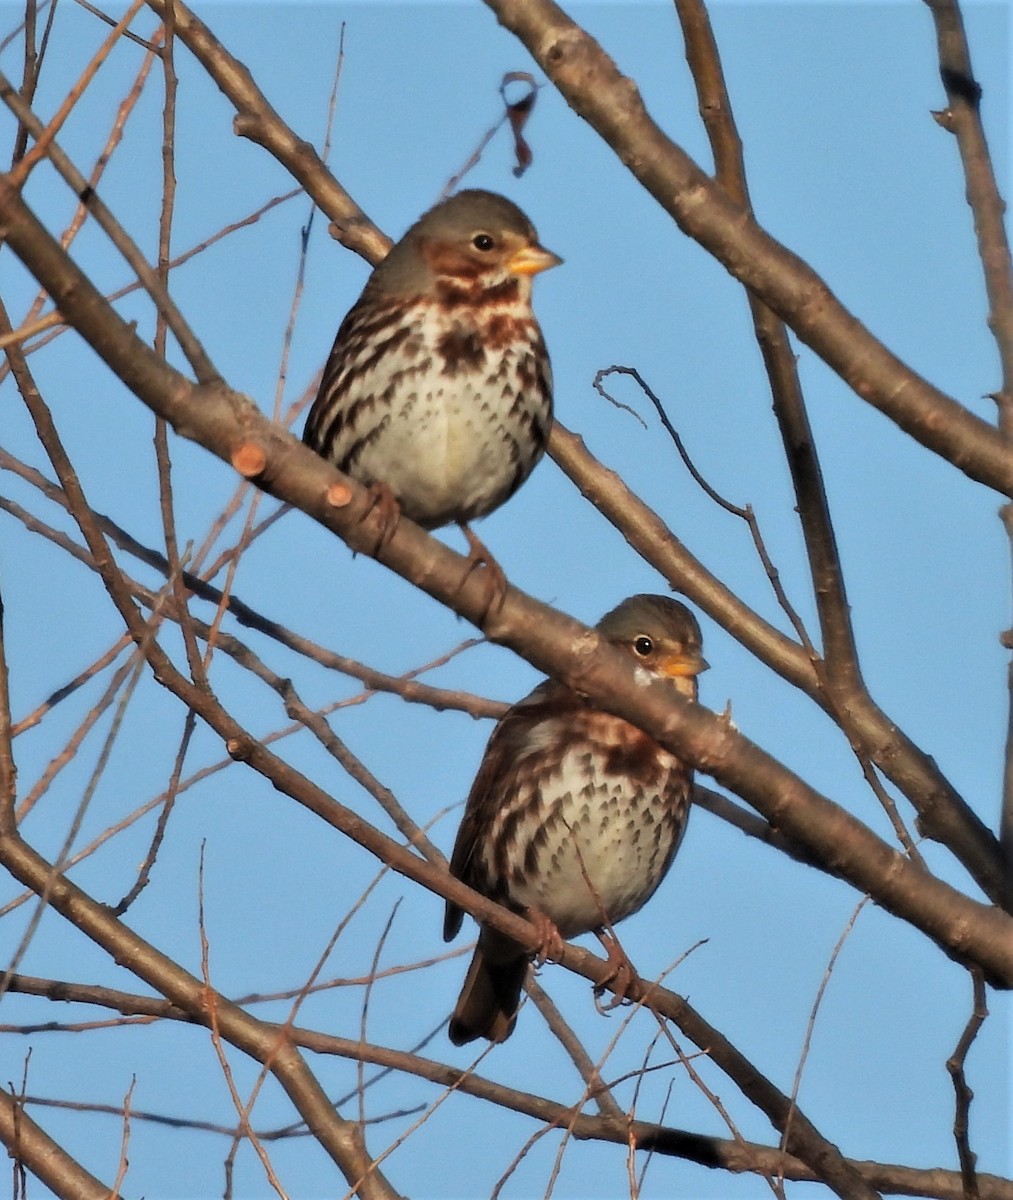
[{"x": 488, "y": 1003}]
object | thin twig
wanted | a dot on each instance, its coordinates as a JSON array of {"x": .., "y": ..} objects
[
  {"x": 813, "y": 1012},
  {"x": 121, "y": 1172},
  {"x": 126, "y": 33},
  {"x": 30, "y": 324},
  {"x": 45, "y": 136},
  {"x": 516, "y": 113},
  {"x": 8, "y": 768},
  {"x": 405, "y": 686},
  {"x": 595, "y": 1087},
  {"x": 955, "y": 1064},
  {"x": 204, "y": 370},
  {"x": 162, "y": 823},
  {"x": 64, "y": 692},
  {"x": 245, "y": 1128},
  {"x": 743, "y": 513}
]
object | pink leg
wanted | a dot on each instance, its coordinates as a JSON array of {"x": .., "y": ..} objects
[
  {"x": 495, "y": 580},
  {"x": 550, "y": 943},
  {"x": 385, "y": 505},
  {"x": 622, "y": 974}
]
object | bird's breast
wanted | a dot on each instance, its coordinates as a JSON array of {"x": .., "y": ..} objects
[
  {"x": 593, "y": 835},
  {"x": 456, "y": 417}
]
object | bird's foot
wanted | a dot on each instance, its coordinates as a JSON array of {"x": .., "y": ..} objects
[
  {"x": 550, "y": 940},
  {"x": 621, "y": 977},
  {"x": 492, "y": 573},
  {"x": 385, "y": 510}
]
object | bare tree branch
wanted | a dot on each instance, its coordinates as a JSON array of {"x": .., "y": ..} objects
[
  {"x": 195, "y": 354},
  {"x": 840, "y": 671},
  {"x": 962, "y": 117},
  {"x": 955, "y": 1064},
  {"x": 258, "y": 121},
  {"x": 30, "y": 1146},
  {"x": 592, "y": 85},
  {"x": 943, "y": 814},
  {"x": 715, "y": 1153},
  {"x": 224, "y": 422},
  {"x": 218, "y": 688}
]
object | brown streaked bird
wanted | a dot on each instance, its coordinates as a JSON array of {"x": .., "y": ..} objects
[
  {"x": 573, "y": 813},
  {"x": 438, "y": 391}
]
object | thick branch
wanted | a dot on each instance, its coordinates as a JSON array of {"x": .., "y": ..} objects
[
  {"x": 31, "y": 1147},
  {"x": 594, "y": 88},
  {"x": 258, "y": 121},
  {"x": 340, "y": 1139},
  {"x": 223, "y": 422},
  {"x": 839, "y": 651},
  {"x": 716, "y": 1153},
  {"x": 943, "y": 814},
  {"x": 963, "y": 119}
]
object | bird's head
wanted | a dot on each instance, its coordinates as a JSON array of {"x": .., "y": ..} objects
[
  {"x": 660, "y": 635},
  {"x": 472, "y": 241}
]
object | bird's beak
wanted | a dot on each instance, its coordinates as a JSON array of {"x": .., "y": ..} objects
[
  {"x": 684, "y": 664},
  {"x": 529, "y": 260}
]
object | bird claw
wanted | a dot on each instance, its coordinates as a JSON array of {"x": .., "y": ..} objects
[
  {"x": 494, "y": 580},
  {"x": 620, "y": 979},
  {"x": 550, "y": 941},
  {"x": 385, "y": 505}
]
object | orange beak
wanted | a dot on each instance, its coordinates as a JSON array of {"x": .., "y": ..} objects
[
  {"x": 530, "y": 260},
  {"x": 684, "y": 664}
]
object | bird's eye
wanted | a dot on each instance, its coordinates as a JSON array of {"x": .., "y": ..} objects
[
  {"x": 483, "y": 241},
  {"x": 643, "y": 645}
]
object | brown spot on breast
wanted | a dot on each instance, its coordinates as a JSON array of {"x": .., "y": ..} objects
[
  {"x": 462, "y": 350},
  {"x": 627, "y": 750},
  {"x": 502, "y": 329},
  {"x": 476, "y": 292}
]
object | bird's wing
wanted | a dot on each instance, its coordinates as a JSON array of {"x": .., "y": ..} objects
[{"x": 520, "y": 732}]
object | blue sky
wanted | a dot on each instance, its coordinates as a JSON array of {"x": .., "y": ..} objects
[{"x": 848, "y": 169}]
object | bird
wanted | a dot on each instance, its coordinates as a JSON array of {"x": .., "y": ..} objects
[
  {"x": 437, "y": 393},
  {"x": 574, "y": 816}
]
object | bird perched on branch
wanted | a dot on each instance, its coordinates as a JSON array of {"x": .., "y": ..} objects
[
  {"x": 575, "y": 815},
  {"x": 438, "y": 391}
]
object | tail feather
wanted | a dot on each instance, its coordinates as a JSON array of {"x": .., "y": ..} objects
[{"x": 488, "y": 1003}]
